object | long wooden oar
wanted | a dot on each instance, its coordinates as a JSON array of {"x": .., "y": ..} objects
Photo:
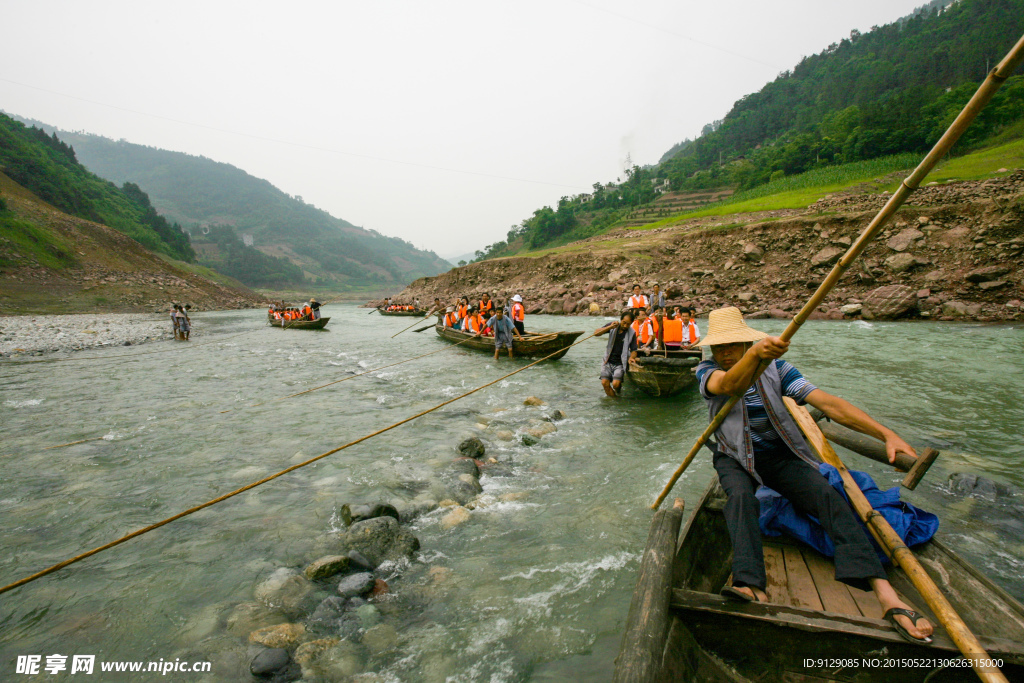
[
  {"x": 413, "y": 325},
  {"x": 894, "y": 547},
  {"x": 984, "y": 93},
  {"x": 427, "y": 327}
]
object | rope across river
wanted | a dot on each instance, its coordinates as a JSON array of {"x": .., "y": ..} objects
[{"x": 219, "y": 499}]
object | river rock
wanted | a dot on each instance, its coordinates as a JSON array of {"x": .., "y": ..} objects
[
  {"x": 472, "y": 448},
  {"x": 458, "y": 515},
  {"x": 379, "y": 540},
  {"x": 902, "y": 240},
  {"x": 542, "y": 429},
  {"x": 557, "y": 415},
  {"x": 368, "y": 615},
  {"x": 826, "y": 257},
  {"x": 994, "y": 284},
  {"x": 986, "y": 274},
  {"x": 568, "y": 305},
  {"x": 249, "y": 616},
  {"x": 268, "y": 662},
  {"x": 326, "y": 567},
  {"x": 380, "y": 639},
  {"x": 954, "y": 308},
  {"x": 343, "y": 661},
  {"x": 890, "y": 302},
  {"x": 356, "y": 585},
  {"x": 851, "y": 309},
  {"x": 308, "y": 655},
  {"x": 358, "y": 561},
  {"x": 529, "y": 439},
  {"x": 282, "y": 635},
  {"x": 752, "y": 252},
  {"x": 533, "y": 401},
  {"x": 288, "y": 590},
  {"x": 899, "y": 263},
  {"x": 968, "y": 484},
  {"x": 361, "y": 512},
  {"x": 554, "y": 306},
  {"x": 504, "y": 435},
  {"x": 747, "y": 296},
  {"x": 461, "y": 466},
  {"x": 595, "y": 308},
  {"x": 336, "y": 616}
]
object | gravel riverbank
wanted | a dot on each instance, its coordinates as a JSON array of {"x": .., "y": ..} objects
[{"x": 40, "y": 334}]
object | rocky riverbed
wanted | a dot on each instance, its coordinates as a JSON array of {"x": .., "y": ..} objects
[
  {"x": 40, "y": 334},
  {"x": 951, "y": 254}
]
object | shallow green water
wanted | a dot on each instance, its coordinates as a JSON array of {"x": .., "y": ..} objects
[{"x": 538, "y": 587}]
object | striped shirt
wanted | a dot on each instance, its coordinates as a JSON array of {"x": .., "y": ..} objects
[{"x": 762, "y": 433}]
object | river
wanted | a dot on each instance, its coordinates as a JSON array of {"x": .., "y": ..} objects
[{"x": 535, "y": 587}]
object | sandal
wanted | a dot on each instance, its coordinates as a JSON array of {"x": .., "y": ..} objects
[
  {"x": 914, "y": 618},
  {"x": 734, "y": 594}
]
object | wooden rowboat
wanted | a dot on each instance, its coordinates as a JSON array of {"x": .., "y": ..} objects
[
  {"x": 318, "y": 324},
  {"x": 664, "y": 375},
  {"x": 532, "y": 345},
  {"x": 419, "y": 312},
  {"x": 812, "y": 629}
]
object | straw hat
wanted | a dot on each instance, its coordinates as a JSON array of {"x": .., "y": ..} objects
[{"x": 726, "y": 326}]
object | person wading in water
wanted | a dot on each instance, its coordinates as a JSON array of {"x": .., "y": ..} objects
[
  {"x": 621, "y": 347},
  {"x": 503, "y": 332},
  {"x": 760, "y": 443}
]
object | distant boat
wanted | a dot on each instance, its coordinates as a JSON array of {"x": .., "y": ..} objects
[
  {"x": 317, "y": 324},
  {"x": 664, "y": 373},
  {"x": 532, "y": 345},
  {"x": 419, "y": 312}
]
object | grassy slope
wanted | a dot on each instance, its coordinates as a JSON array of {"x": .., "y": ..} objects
[{"x": 800, "y": 191}]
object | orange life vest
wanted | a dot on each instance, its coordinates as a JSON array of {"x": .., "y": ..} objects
[
  {"x": 645, "y": 331},
  {"x": 450, "y": 319},
  {"x": 474, "y": 324},
  {"x": 638, "y": 301},
  {"x": 673, "y": 331},
  {"x": 486, "y": 307},
  {"x": 518, "y": 312},
  {"x": 462, "y": 310},
  {"x": 691, "y": 332}
]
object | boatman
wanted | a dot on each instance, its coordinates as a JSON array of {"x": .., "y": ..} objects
[
  {"x": 519, "y": 314},
  {"x": 621, "y": 348},
  {"x": 314, "y": 307},
  {"x": 638, "y": 300},
  {"x": 657, "y": 297},
  {"x": 760, "y": 443},
  {"x": 503, "y": 332}
]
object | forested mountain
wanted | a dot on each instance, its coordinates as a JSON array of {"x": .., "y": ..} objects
[
  {"x": 47, "y": 166},
  {"x": 893, "y": 89},
  {"x": 199, "y": 193}
]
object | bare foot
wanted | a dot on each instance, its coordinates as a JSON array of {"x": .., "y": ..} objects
[{"x": 888, "y": 599}]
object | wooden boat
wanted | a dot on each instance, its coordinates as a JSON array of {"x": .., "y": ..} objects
[
  {"x": 318, "y": 324},
  {"x": 664, "y": 373},
  {"x": 532, "y": 345},
  {"x": 419, "y": 312},
  {"x": 812, "y": 629}
]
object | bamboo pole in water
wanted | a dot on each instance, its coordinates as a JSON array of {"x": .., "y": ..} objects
[
  {"x": 984, "y": 93},
  {"x": 896, "y": 549}
]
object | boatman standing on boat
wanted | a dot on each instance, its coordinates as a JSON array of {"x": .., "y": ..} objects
[
  {"x": 503, "y": 332},
  {"x": 760, "y": 443},
  {"x": 621, "y": 348},
  {"x": 519, "y": 314}
]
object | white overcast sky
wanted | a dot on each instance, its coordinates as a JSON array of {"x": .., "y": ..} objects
[{"x": 444, "y": 123}]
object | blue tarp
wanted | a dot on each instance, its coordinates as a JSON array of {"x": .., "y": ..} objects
[{"x": 914, "y": 525}]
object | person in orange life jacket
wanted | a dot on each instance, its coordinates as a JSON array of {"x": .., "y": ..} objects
[
  {"x": 638, "y": 300},
  {"x": 643, "y": 328},
  {"x": 451, "y": 318},
  {"x": 518, "y": 314},
  {"x": 473, "y": 324},
  {"x": 672, "y": 332},
  {"x": 503, "y": 332},
  {"x": 621, "y": 348},
  {"x": 463, "y": 308},
  {"x": 486, "y": 306},
  {"x": 691, "y": 333},
  {"x": 760, "y": 443}
]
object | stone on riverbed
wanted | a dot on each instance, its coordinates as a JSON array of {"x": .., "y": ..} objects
[
  {"x": 542, "y": 429},
  {"x": 327, "y": 567},
  {"x": 249, "y": 616},
  {"x": 529, "y": 439},
  {"x": 533, "y": 401},
  {"x": 358, "y": 561},
  {"x": 269, "y": 662},
  {"x": 379, "y": 539},
  {"x": 380, "y": 638},
  {"x": 356, "y": 585},
  {"x": 336, "y": 615},
  {"x": 287, "y": 590},
  {"x": 308, "y": 654},
  {"x": 361, "y": 512},
  {"x": 557, "y": 415},
  {"x": 472, "y": 448},
  {"x": 457, "y": 516},
  {"x": 972, "y": 485},
  {"x": 282, "y": 635},
  {"x": 505, "y": 435}
]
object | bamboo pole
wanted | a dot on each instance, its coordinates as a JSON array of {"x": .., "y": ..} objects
[
  {"x": 981, "y": 97},
  {"x": 894, "y": 547},
  {"x": 413, "y": 325}
]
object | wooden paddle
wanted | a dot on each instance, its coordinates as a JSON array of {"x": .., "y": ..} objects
[
  {"x": 894, "y": 547},
  {"x": 413, "y": 325},
  {"x": 426, "y": 327}
]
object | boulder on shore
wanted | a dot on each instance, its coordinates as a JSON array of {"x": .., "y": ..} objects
[
  {"x": 472, "y": 448},
  {"x": 890, "y": 302}
]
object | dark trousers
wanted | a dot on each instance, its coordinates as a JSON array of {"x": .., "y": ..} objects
[
  {"x": 810, "y": 493},
  {"x": 520, "y": 326}
]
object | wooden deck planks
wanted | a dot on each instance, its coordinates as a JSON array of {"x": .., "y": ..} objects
[
  {"x": 835, "y": 596},
  {"x": 775, "y": 568},
  {"x": 802, "y": 592}
]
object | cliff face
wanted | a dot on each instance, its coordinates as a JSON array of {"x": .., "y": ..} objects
[
  {"x": 51, "y": 262},
  {"x": 952, "y": 253}
]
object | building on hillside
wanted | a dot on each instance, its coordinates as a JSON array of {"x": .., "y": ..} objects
[
  {"x": 247, "y": 239},
  {"x": 661, "y": 185}
]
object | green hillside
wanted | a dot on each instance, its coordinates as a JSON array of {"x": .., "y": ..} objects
[
  {"x": 48, "y": 167},
  {"x": 198, "y": 193},
  {"x": 875, "y": 99}
]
